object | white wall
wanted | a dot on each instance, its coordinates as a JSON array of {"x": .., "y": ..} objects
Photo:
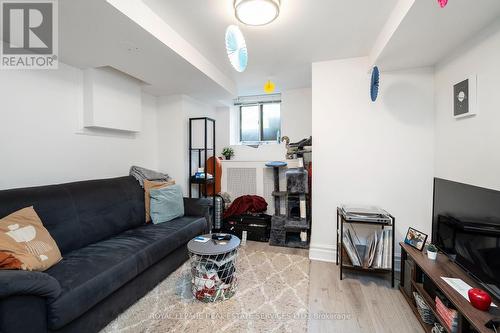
[
  {"x": 172, "y": 138},
  {"x": 296, "y": 114},
  {"x": 42, "y": 139},
  {"x": 468, "y": 150},
  {"x": 39, "y": 121},
  {"x": 224, "y": 128},
  {"x": 173, "y": 121},
  {"x": 295, "y": 123},
  {"x": 370, "y": 153}
]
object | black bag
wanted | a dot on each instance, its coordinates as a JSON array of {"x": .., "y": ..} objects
[{"x": 257, "y": 226}]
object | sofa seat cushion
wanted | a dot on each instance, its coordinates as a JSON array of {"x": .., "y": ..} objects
[{"x": 90, "y": 274}]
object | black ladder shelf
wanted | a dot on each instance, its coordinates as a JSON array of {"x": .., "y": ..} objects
[{"x": 202, "y": 154}]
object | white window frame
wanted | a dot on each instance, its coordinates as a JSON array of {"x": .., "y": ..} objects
[{"x": 261, "y": 128}]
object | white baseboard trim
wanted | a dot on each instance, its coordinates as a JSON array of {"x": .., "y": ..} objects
[
  {"x": 328, "y": 253},
  {"x": 321, "y": 252}
]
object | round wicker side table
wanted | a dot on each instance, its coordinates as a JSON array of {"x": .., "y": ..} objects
[{"x": 213, "y": 268}]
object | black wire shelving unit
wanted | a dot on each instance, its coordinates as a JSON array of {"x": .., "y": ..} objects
[{"x": 341, "y": 221}]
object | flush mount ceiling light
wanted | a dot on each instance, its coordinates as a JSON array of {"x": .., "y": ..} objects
[{"x": 256, "y": 12}]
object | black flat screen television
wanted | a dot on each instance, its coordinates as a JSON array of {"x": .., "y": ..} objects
[{"x": 466, "y": 227}]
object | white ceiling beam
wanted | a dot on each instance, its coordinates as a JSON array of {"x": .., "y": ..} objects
[
  {"x": 397, "y": 16},
  {"x": 142, "y": 15}
]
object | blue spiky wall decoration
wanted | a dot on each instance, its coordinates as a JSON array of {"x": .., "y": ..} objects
[{"x": 375, "y": 82}]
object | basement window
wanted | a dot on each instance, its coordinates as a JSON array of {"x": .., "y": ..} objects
[{"x": 260, "y": 123}]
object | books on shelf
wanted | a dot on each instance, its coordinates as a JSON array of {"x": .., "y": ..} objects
[
  {"x": 350, "y": 248},
  {"x": 386, "y": 252},
  {"x": 449, "y": 316},
  {"x": 201, "y": 175},
  {"x": 378, "y": 252},
  {"x": 375, "y": 254},
  {"x": 371, "y": 247}
]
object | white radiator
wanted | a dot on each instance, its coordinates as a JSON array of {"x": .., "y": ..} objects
[{"x": 252, "y": 178}]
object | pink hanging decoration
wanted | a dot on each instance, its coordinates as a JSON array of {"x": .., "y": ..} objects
[{"x": 443, "y": 3}]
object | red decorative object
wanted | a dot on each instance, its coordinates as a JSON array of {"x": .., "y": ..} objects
[
  {"x": 443, "y": 3},
  {"x": 479, "y": 299}
]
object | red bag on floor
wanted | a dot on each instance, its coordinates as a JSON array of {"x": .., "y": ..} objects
[{"x": 246, "y": 204}]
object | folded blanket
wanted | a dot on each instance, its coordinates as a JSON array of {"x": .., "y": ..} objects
[
  {"x": 8, "y": 261},
  {"x": 142, "y": 173}
]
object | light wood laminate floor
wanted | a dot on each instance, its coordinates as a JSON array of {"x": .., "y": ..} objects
[{"x": 359, "y": 303}]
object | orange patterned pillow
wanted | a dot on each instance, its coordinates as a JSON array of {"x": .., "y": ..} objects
[
  {"x": 25, "y": 243},
  {"x": 148, "y": 186}
]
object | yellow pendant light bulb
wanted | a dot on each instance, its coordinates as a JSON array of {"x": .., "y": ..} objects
[{"x": 269, "y": 87}]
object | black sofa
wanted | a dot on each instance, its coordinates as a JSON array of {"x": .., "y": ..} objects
[{"x": 111, "y": 258}]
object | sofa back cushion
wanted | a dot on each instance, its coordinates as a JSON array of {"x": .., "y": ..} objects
[
  {"x": 107, "y": 207},
  {"x": 78, "y": 214},
  {"x": 54, "y": 206}
]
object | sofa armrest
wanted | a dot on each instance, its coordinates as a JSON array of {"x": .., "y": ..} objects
[
  {"x": 15, "y": 283},
  {"x": 27, "y": 314},
  {"x": 201, "y": 207}
]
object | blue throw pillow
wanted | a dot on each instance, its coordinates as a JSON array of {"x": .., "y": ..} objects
[{"x": 167, "y": 203}]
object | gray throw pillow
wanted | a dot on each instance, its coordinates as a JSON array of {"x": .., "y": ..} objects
[{"x": 167, "y": 203}]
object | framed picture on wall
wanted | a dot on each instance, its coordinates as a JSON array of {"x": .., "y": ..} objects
[
  {"x": 415, "y": 238},
  {"x": 465, "y": 97}
]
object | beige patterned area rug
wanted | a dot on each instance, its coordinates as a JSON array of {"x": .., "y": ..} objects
[{"x": 272, "y": 296}]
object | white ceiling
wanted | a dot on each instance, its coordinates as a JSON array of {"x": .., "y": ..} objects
[
  {"x": 177, "y": 46},
  {"x": 428, "y": 34},
  {"x": 92, "y": 33},
  {"x": 306, "y": 31}
]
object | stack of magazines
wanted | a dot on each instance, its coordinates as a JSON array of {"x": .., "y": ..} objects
[
  {"x": 375, "y": 254},
  {"x": 449, "y": 316},
  {"x": 201, "y": 175}
]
